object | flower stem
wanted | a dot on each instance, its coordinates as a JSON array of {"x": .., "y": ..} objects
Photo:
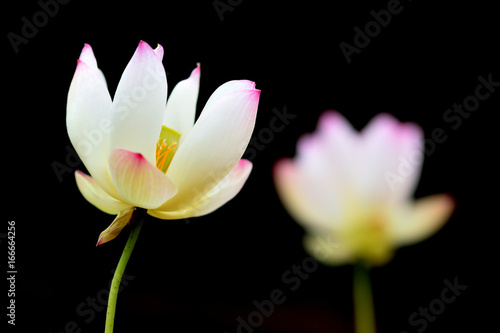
[
  {"x": 117, "y": 277},
  {"x": 364, "y": 315}
]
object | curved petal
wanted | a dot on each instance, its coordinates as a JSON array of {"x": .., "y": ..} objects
[
  {"x": 87, "y": 56},
  {"x": 139, "y": 104},
  {"x": 229, "y": 87},
  {"x": 422, "y": 219},
  {"x": 88, "y": 119},
  {"x": 181, "y": 105},
  {"x": 326, "y": 164},
  {"x": 224, "y": 191},
  {"x": 337, "y": 155},
  {"x": 139, "y": 182},
  {"x": 326, "y": 251},
  {"x": 410, "y": 150},
  {"x": 97, "y": 196},
  {"x": 303, "y": 200},
  {"x": 215, "y": 145},
  {"x": 159, "y": 52},
  {"x": 114, "y": 229},
  {"x": 385, "y": 141}
]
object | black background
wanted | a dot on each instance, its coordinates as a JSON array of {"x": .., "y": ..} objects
[{"x": 201, "y": 274}]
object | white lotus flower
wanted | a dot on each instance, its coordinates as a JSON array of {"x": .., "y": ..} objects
[
  {"x": 142, "y": 152},
  {"x": 352, "y": 191}
]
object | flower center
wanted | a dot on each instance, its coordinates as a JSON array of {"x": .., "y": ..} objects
[
  {"x": 369, "y": 239},
  {"x": 166, "y": 147}
]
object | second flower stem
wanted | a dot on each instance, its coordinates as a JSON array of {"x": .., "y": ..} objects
[
  {"x": 117, "y": 277},
  {"x": 364, "y": 314}
]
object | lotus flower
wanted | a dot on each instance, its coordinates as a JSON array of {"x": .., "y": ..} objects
[
  {"x": 142, "y": 152},
  {"x": 352, "y": 192}
]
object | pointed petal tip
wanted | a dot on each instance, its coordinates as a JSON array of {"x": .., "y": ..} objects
[
  {"x": 122, "y": 219},
  {"x": 244, "y": 163},
  {"x": 252, "y": 84},
  {"x": 86, "y": 47},
  {"x": 254, "y": 95},
  {"x": 159, "y": 51},
  {"x": 102, "y": 240},
  {"x": 196, "y": 72},
  {"x": 143, "y": 46}
]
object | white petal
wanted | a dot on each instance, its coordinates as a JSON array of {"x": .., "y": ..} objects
[
  {"x": 305, "y": 200},
  {"x": 139, "y": 104},
  {"x": 228, "y": 87},
  {"x": 87, "y": 56},
  {"x": 410, "y": 139},
  {"x": 224, "y": 191},
  {"x": 326, "y": 162},
  {"x": 181, "y": 105},
  {"x": 326, "y": 251},
  {"x": 420, "y": 220},
  {"x": 88, "y": 120},
  {"x": 215, "y": 145},
  {"x": 159, "y": 52},
  {"x": 97, "y": 196},
  {"x": 385, "y": 142},
  {"x": 139, "y": 182}
]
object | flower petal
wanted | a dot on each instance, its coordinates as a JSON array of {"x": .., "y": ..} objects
[
  {"x": 325, "y": 157},
  {"x": 327, "y": 252},
  {"x": 215, "y": 145},
  {"x": 387, "y": 143},
  {"x": 94, "y": 194},
  {"x": 139, "y": 182},
  {"x": 88, "y": 119},
  {"x": 114, "y": 229},
  {"x": 159, "y": 52},
  {"x": 181, "y": 105},
  {"x": 139, "y": 103},
  {"x": 420, "y": 221},
  {"x": 228, "y": 87},
  {"x": 87, "y": 56},
  {"x": 224, "y": 191},
  {"x": 304, "y": 200}
]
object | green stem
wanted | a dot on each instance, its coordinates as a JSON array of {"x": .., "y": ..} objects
[
  {"x": 364, "y": 315},
  {"x": 115, "y": 284}
]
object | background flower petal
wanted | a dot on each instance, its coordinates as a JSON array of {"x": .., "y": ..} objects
[
  {"x": 386, "y": 143},
  {"x": 421, "y": 220},
  {"x": 325, "y": 251},
  {"x": 303, "y": 199}
]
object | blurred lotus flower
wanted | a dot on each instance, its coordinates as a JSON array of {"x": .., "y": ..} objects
[
  {"x": 352, "y": 191},
  {"x": 144, "y": 152}
]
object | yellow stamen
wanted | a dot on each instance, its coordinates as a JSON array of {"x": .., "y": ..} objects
[
  {"x": 166, "y": 148},
  {"x": 161, "y": 156}
]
